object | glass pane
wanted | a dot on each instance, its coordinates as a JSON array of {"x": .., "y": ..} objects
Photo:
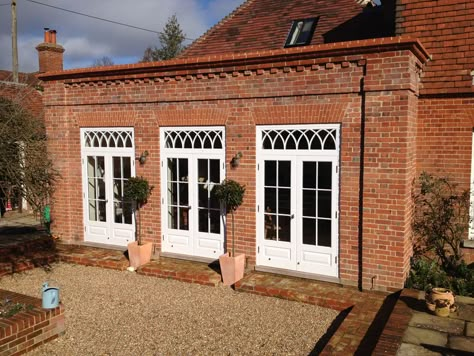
[
  {"x": 118, "y": 212},
  {"x": 117, "y": 162},
  {"x": 91, "y": 188},
  {"x": 102, "y": 213},
  {"x": 172, "y": 217},
  {"x": 309, "y": 174},
  {"x": 309, "y": 232},
  {"x": 284, "y": 201},
  {"x": 91, "y": 167},
  {"x": 324, "y": 204},
  {"x": 92, "y": 210},
  {"x": 183, "y": 218},
  {"x": 101, "y": 184},
  {"x": 270, "y": 200},
  {"x": 270, "y": 227},
  {"x": 203, "y": 221},
  {"x": 202, "y": 196},
  {"x": 183, "y": 194},
  {"x": 172, "y": 193},
  {"x": 309, "y": 202},
  {"x": 215, "y": 219},
  {"x": 172, "y": 170},
  {"x": 183, "y": 169},
  {"x": 100, "y": 167},
  {"x": 127, "y": 170},
  {"x": 324, "y": 233},
  {"x": 214, "y": 202},
  {"x": 324, "y": 175},
  {"x": 284, "y": 228},
  {"x": 215, "y": 171},
  {"x": 284, "y": 173},
  {"x": 202, "y": 170},
  {"x": 270, "y": 173},
  {"x": 117, "y": 189},
  {"x": 127, "y": 213}
]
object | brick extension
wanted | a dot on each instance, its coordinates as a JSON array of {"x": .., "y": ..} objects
[{"x": 29, "y": 329}]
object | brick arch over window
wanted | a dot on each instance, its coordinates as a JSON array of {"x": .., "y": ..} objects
[
  {"x": 299, "y": 114},
  {"x": 192, "y": 117},
  {"x": 106, "y": 119}
]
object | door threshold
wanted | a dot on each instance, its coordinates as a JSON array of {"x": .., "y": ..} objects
[
  {"x": 99, "y": 245},
  {"x": 305, "y": 275},
  {"x": 188, "y": 257}
]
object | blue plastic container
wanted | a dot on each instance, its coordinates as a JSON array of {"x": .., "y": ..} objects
[{"x": 50, "y": 296}]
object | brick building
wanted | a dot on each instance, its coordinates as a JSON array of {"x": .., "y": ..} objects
[{"x": 334, "y": 107}]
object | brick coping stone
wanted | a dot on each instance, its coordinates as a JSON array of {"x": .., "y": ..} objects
[{"x": 29, "y": 329}]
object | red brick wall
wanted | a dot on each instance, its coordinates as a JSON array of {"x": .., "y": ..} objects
[
  {"x": 306, "y": 91},
  {"x": 445, "y": 28}
]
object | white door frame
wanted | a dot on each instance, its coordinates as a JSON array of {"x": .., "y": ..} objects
[
  {"x": 107, "y": 142},
  {"x": 192, "y": 144},
  {"x": 283, "y": 143}
]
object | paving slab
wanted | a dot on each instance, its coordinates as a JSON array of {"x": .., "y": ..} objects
[
  {"x": 470, "y": 329},
  {"x": 436, "y": 323},
  {"x": 411, "y": 350},
  {"x": 464, "y": 312},
  {"x": 418, "y": 336},
  {"x": 461, "y": 343},
  {"x": 464, "y": 300}
]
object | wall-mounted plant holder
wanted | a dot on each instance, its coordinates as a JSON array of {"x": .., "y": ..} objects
[
  {"x": 235, "y": 161},
  {"x": 143, "y": 156}
]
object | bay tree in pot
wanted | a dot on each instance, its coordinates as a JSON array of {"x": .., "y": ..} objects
[
  {"x": 137, "y": 190},
  {"x": 231, "y": 194}
]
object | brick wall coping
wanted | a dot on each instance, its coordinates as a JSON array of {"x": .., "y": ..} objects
[{"x": 187, "y": 66}]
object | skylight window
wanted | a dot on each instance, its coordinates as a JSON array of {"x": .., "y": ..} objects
[{"x": 301, "y": 32}]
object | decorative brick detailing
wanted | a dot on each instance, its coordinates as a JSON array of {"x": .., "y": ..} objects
[
  {"x": 300, "y": 114},
  {"x": 108, "y": 118},
  {"x": 180, "y": 116},
  {"x": 29, "y": 329}
]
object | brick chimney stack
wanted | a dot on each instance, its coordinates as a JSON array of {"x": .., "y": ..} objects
[{"x": 50, "y": 54}]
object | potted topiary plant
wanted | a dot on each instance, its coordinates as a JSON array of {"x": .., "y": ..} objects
[
  {"x": 231, "y": 193},
  {"x": 137, "y": 190}
]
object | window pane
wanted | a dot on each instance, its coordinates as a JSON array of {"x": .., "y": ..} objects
[
  {"x": 270, "y": 227},
  {"x": 202, "y": 170},
  {"x": 270, "y": 173},
  {"x": 270, "y": 200},
  {"x": 309, "y": 231},
  {"x": 202, "y": 196},
  {"x": 91, "y": 188},
  {"x": 102, "y": 213},
  {"x": 215, "y": 218},
  {"x": 284, "y": 201},
  {"x": 284, "y": 228},
  {"x": 284, "y": 173},
  {"x": 92, "y": 210},
  {"x": 172, "y": 170},
  {"x": 325, "y": 175},
  {"x": 324, "y": 204},
  {"x": 117, "y": 189},
  {"x": 172, "y": 193},
  {"x": 183, "y": 194},
  {"x": 117, "y": 162},
  {"x": 127, "y": 213},
  {"x": 184, "y": 218},
  {"x": 324, "y": 233},
  {"x": 183, "y": 170},
  {"x": 101, "y": 184},
  {"x": 309, "y": 174},
  {"x": 127, "y": 170},
  {"x": 91, "y": 167},
  {"x": 309, "y": 202},
  {"x": 172, "y": 217},
  {"x": 215, "y": 171},
  {"x": 214, "y": 203},
  {"x": 203, "y": 221},
  {"x": 118, "y": 212},
  {"x": 100, "y": 167}
]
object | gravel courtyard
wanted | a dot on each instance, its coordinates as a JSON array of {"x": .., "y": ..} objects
[{"x": 121, "y": 313}]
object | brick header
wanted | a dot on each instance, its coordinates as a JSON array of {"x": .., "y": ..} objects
[
  {"x": 300, "y": 114},
  {"x": 111, "y": 119},
  {"x": 186, "y": 117}
]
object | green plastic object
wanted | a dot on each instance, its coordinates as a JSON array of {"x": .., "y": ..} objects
[{"x": 47, "y": 214}]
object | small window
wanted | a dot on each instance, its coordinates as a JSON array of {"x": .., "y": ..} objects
[{"x": 301, "y": 32}]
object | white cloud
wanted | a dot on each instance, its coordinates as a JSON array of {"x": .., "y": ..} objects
[{"x": 86, "y": 39}]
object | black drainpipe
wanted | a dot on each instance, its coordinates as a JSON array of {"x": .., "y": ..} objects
[{"x": 361, "y": 176}]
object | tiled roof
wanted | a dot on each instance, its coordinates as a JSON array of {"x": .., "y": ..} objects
[
  {"x": 24, "y": 78},
  {"x": 264, "y": 25}
]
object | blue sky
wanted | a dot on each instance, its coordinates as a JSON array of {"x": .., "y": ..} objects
[{"x": 88, "y": 39}]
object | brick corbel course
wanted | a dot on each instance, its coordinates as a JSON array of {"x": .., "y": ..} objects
[{"x": 29, "y": 329}]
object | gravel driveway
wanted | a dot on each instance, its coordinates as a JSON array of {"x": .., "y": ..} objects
[{"x": 121, "y": 313}]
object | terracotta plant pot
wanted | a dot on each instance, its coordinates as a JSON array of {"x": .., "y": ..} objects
[
  {"x": 232, "y": 268},
  {"x": 139, "y": 254},
  {"x": 442, "y": 307},
  {"x": 442, "y": 293}
]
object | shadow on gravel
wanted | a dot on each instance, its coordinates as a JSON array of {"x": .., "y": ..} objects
[{"x": 336, "y": 323}]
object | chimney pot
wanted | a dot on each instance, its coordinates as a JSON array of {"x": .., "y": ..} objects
[
  {"x": 47, "y": 36},
  {"x": 53, "y": 36}
]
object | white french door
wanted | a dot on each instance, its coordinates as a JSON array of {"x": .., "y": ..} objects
[
  {"x": 297, "y": 198},
  {"x": 192, "y": 166},
  {"x": 108, "y": 160}
]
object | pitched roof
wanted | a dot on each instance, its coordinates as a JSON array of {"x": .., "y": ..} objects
[
  {"x": 24, "y": 78},
  {"x": 264, "y": 25}
]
